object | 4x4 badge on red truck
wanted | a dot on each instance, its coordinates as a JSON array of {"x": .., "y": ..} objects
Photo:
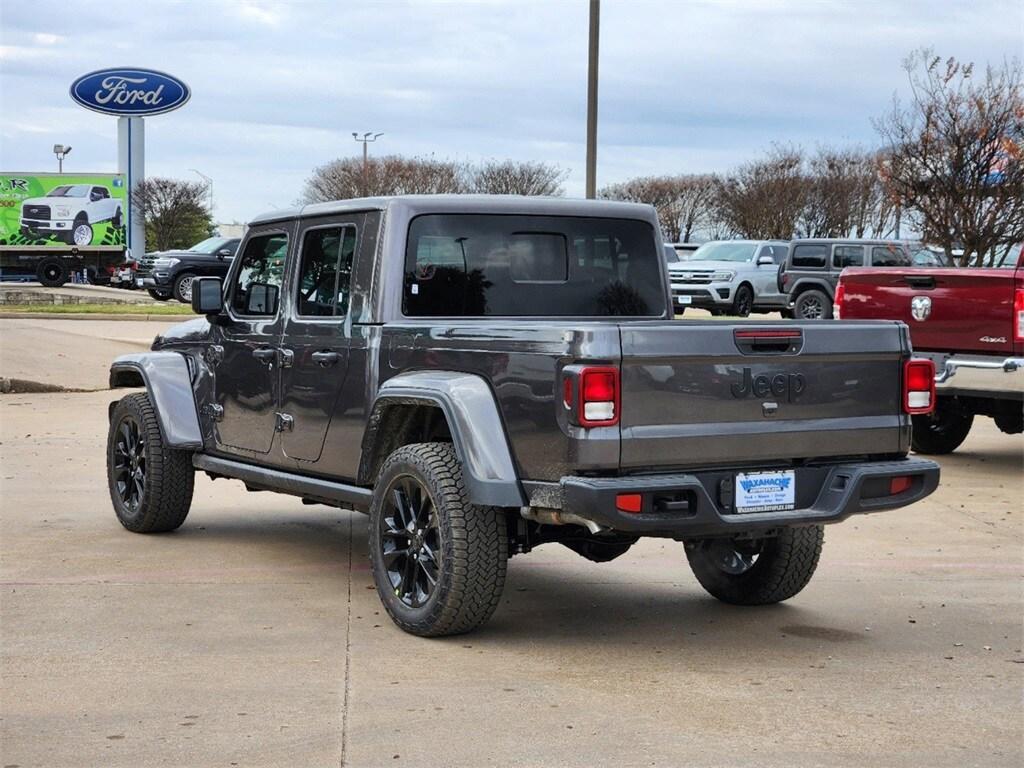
[{"x": 920, "y": 307}]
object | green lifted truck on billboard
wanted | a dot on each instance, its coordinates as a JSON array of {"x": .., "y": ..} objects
[{"x": 53, "y": 226}]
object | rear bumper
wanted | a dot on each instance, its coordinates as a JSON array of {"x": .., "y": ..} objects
[
  {"x": 997, "y": 376},
  {"x": 699, "y": 504}
]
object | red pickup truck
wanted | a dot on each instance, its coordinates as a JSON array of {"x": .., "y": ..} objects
[{"x": 970, "y": 322}]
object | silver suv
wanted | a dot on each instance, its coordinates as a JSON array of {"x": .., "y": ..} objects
[{"x": 734, "y": 277}]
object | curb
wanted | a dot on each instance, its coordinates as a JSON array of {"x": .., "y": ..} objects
[{"x": 90, "y": 316}]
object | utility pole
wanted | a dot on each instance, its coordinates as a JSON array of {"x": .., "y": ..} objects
[
  {"x": 595, "y": 22},
  {"x": 366, "y": 138}
]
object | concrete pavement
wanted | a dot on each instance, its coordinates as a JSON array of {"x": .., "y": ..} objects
[{"x": 252, "y": 636}]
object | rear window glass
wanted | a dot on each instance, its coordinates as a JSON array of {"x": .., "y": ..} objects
[
  {"x": 476, "y": 265},
  {"x": 889, "y": 256},
  {"x": 848, "y": 256},
  {"x": 810, "y": 255}
]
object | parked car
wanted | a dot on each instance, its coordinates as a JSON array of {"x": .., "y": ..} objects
[
  {"x": 730, "y": 277},
  {"x": 486, "y": 374},
  {"x": 684, "y": 251},
  {"x": 170, "y": 273},
  {"x": 970, "y": 323},
  {"x": 69, "y": 212},
  {"x": 809, "y": 275}
]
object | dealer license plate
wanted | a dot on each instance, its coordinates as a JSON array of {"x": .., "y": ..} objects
[
  {"x": 684, "y": 299},
  {"x": 765, "y": 491},
  {"x": 138, "y": 281}
]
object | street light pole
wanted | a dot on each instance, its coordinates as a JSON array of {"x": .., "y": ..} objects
[
  {"x": 209, "y": 186},
  {"x": 595, "y": 22},
  {"x": 61, "y": 152}
]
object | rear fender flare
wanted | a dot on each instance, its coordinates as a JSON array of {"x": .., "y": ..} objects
[
  {"x": 168, "y": 381},
  {"x": 475, "y": 424},
  {"x": 807, "y": 284}
]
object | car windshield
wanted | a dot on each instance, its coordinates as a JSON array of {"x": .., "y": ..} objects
[
  {"x": 209, "y": 245},
  {"x": 724, "y": 251},
  {"x": 69, "y": 190}
]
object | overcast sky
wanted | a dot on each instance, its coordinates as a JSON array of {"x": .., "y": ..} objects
[{"x": 278, "y": 88}]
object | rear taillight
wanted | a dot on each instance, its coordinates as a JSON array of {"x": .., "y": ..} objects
[
  {"x": 918, "y": 386},
  {"x": 838, "y": 301},
  {"x": 591, "y": 395},
  {"x": 1018, "y": 316}
]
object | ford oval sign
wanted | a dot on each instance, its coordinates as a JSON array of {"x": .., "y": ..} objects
[{"x": 129, "y": 92}]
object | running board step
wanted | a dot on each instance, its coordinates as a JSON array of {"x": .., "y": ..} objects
[{"x": 326, "y": 491}]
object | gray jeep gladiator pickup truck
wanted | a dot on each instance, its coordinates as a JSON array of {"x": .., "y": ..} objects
[{"x": 482, "y": 375}]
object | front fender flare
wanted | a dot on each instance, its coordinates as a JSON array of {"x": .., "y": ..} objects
[
  {"x": 167, "y": 379},
  {"x": 475, "y": 425}
]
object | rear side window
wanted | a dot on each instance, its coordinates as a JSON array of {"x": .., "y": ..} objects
[
  {"x": 476, "y": 265},
  {"x": 848, "y": 256},
  {"x": 257, "y": 286},
  {"x": 326, "y": 271},
  {"x": 810, "y": 256},
  {"x": 889, "y": 256}
]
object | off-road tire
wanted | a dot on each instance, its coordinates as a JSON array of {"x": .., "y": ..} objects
[
  {"x": 185, "y": 279},
  {"x": 941, "y": 431},
  {"x": 784, "y": 566},
  {"x": 803, "y": 307},
  {"x": 169, "y": 475},
  {"x": 52, "y": 273},
  {"x": 158, "y": 295},
  {"x": 743, "y": 301},
  {"x": 473, "y": 545}
]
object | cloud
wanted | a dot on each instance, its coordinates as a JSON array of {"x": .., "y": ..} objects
[{"x": 279, "y": 88}]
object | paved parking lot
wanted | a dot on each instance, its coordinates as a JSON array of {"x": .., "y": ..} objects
[{"x": 252, "y": 636}]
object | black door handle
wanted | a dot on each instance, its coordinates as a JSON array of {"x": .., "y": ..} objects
[
  {"x": 265, "y": 354},
  {"x": 325, "y": 359}
]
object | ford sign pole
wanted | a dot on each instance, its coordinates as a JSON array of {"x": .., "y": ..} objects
[
  {"x": 130, "y": 93},
  {"x": 131, "y": 161}
]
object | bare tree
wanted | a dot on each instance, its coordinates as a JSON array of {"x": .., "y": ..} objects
[
  {"x": 174, "y": 212},
  {"x": 683, "y": 203},
  {"x": 512, "y": 177},
  {"x": 350, "y": 177},
  {"x": 845, "y": 195},
  {"x": 954, "y": 154},
  {"x": 765, "y": 198}
]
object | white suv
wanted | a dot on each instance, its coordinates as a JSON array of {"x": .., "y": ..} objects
[{"x": 69, "y": 213}]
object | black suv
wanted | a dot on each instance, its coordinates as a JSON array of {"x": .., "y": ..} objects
[
  {"x": 170, "y": 273},
  {"x": 811, "y": 270}
]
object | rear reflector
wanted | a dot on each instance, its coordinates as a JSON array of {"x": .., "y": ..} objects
[
  {"x": 899, "y": 484},
  {"x": 918, "y": 386},
  {"x": 629, "y": 502}
]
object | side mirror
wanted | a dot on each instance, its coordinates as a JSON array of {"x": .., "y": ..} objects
[
  {"x": 224, "y": 253},
  {"x": 207, "y": 296},
  {"x": 763, "y": 261}
]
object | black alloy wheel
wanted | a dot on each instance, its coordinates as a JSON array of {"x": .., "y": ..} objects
[
  {"x": 411, "y": 541},
  {"x": 129, "y": 463}
]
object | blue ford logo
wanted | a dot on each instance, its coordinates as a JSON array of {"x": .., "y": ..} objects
[{"x": 129, "y": 92}]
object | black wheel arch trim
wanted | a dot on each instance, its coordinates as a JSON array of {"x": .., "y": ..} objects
[
  {"x": 168, "y": 381},
  {"x": 475, "y": 423}
]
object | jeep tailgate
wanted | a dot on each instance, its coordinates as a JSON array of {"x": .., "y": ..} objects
[
  {"x": 721, "y": 393},
  {"x": 960, "y": 310}
]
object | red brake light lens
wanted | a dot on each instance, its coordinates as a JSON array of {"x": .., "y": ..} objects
[
  {"x": 919, "y": 386},
  {"x": 837, "y": 303},
  {"x": 1018, "y": 314},
  {"x": 629, "y": 502},
  {"x": 591, "y": 395},
  {"x": 899, "y": 484}
]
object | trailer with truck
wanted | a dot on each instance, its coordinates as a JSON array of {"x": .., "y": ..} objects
[{"x": 55, "y": 227}]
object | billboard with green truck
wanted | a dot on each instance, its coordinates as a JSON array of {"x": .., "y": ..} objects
[{"x": 54, "y": 226}]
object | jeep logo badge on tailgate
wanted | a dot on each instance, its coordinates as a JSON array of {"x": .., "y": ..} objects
[
  {"x": 792, "y": 385},
  {"x": 920, "y": 308}
]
